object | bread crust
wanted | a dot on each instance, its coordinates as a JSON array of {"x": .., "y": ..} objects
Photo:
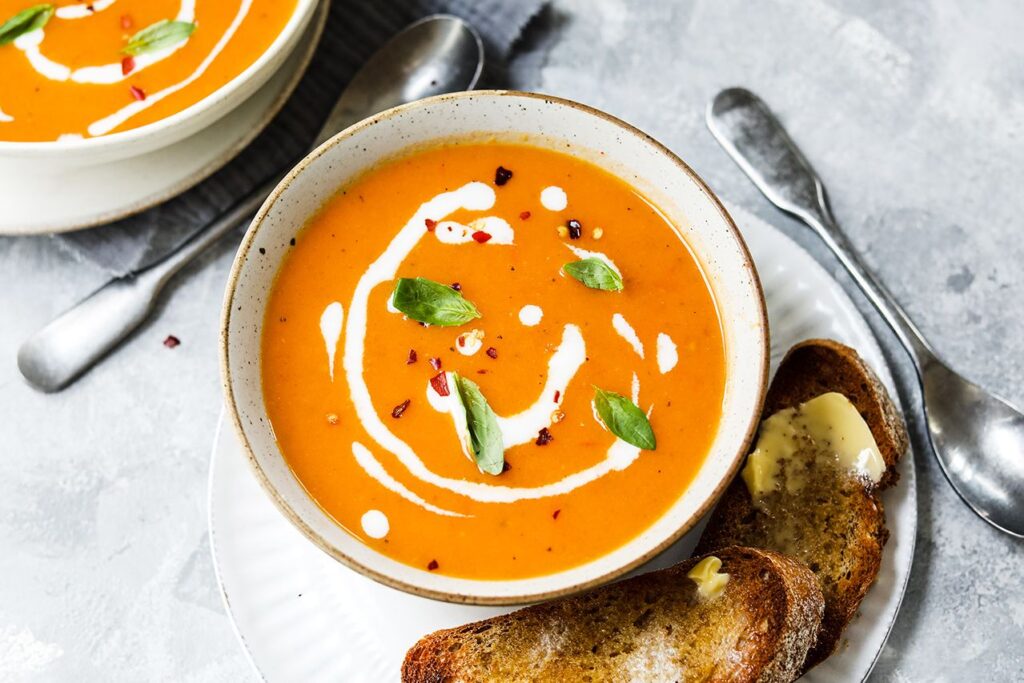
[
  {"x": 654, "y": 626},
  {"x": 845, "y": 532}
]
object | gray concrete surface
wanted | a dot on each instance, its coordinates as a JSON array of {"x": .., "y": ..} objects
[{"x": 914, "y": 114}]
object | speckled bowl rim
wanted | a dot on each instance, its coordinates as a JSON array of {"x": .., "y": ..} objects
[
  {"x": 247, "y": 244},
  {"x": 284, "y": 44}
]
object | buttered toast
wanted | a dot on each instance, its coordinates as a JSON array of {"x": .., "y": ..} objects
[
  {"x": 825, "y": 513},
  {"x": 684, "y": 623}
]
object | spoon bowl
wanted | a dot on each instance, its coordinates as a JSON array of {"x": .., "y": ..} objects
[{"x": 979, "y": 440}]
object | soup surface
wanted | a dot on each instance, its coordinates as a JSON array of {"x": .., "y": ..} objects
[
  {"x": 84, "y": 69},
  {"x": 371, "y": 409}
]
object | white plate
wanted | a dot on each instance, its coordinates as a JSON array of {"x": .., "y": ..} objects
[
  {"x": 301, "y": 616},
  {"x": 40, "y": 199}
]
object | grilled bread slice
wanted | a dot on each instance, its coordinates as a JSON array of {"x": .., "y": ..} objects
[
  {"x": 834, "y": 523},
  {"x": 661, "y": 626}
]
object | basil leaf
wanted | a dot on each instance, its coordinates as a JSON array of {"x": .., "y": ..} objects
[
  {"x": 162, "y": 34},
  {"x": 25, "y": 21},
  {"x": 484, "y": 433},
  {"x": 431, "y": 302},
  {"x": 624, "y": 419},
  {"x": 595, "y": 273}
]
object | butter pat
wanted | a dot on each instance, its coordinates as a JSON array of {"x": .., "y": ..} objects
[
  {"x": 827, "y": 429},
  {"x": 710, "y": 582}
]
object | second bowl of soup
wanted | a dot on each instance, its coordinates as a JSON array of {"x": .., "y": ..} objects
[
  {"x": 494, "y": 347},
  {"x": 94, "y": 81}
]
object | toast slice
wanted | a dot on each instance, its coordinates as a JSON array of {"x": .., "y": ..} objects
[
  {"x": 657, "y": 626},
  {"x": 835, "y": 522}
]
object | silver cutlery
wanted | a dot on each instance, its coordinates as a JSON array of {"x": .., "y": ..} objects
[
  {"x": 977, "y": 437},
  {"x": 436, "y": 55}
]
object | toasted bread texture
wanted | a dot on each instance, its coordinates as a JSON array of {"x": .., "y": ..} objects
[
  {"x": 837, "y": 523},
  {"x": 655, "y": 627}
]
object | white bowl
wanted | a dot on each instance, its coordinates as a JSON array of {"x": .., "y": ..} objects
[
  {"x": 167, "y": 131},
  {"x": 546, "y": 122}
]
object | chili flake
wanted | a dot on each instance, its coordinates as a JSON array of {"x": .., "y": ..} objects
[
  {"x": 171, "y": 341},
  {"x": 481, "y": 236},
  {"x": 435, "y": 363},
  {"x": 502, "y": 176},
  {"x": 505, "y": 467},
  {"x": 433, "y": 565},
  {"x": 575, "y": 229},
  {"x": 492, "y": 352},
  {"x": 558, "y": 395},
  {"x": 439, "y": 383},
  {"x": 127, "y": 65},
  {"x": 137, "y": 92},
  {"x": 524, "y": 215},
  {"x": 126, "y": 21},
  {"x": 456, "y": 286},
  {"x": 398, "y": 410},
  {"x": 412, "y": 357},
  {"x": 430, "y": 225},
  {"x": 554, "y": 515},
  {"x": 544, "y": 437}
]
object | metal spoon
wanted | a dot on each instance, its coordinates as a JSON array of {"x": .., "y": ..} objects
[
  {"x": 436, "y": 55},
  {"x": 978, "y": 438}
]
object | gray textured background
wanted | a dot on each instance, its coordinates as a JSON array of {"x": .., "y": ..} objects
[{"x": 914, "y": 114}]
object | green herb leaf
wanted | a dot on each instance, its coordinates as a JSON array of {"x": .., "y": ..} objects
[
  {"x": 25, "y": 21},
  {"x": 431, "y": 302},
  {"x": 484, "y": 433},
  {"x": 162, "y": 34},
  {"x": 624, "y": 419},
  {"x": 595, "y": 273}
]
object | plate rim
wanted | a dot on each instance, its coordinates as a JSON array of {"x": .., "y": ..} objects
[{"x": 908, "y": 461}]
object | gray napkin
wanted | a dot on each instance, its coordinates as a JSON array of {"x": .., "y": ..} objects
[{"x": 354, "y": 30}]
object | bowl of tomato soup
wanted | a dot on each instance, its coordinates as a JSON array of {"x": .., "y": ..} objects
[
  {"x": 493, "y": 347},
  {"x": 106, "y": 79}
]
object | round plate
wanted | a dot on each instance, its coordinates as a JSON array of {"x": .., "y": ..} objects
[
  {"x": 96, "y": 195},
  {"x": 302, "y": 616}
]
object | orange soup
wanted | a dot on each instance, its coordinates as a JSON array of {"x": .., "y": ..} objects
[
  {"x": 492, "y": 361},
  {"x": 83, "y": 69}
]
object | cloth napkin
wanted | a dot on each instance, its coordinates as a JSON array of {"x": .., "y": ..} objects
[{"x": 354, "y": 30}]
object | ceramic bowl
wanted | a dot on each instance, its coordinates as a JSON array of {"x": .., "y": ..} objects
[
  {"x": 167, "y": 131},
  {"x": 547, "y": 122}
]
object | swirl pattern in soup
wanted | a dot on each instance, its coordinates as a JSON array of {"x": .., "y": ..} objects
[{"x": 365, "y": 401}]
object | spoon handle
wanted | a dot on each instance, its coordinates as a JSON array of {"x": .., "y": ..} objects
[
  {"x": 69, "y": 345},
  {"x": 755, "y": 139}
]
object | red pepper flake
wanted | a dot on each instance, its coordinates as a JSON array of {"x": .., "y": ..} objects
[
  {"x": 502, "y": 176},
  {"x": 126, "y": 21},
  {"x": 481, "y": 236},
  {"x": 127, "y": 65},
  {"x": 575, "y": 229},
  {"x": 505, "y": 467},
  {"x": 430, "y": 225},
  {"x": 544, "y": 437},
  {"x": 481, "y": 372},
  {"x": 524, "y": 215},
  {"x": 90, "y": 7},
  {"x": 439, "y": 382},
  {"x": 555, "y": 514},
  {"x": 398, "y": 410},
  {"x": 558, "y": 395},
  {"x": 492, "y": 352},
  {"x": 412, "y": 357},
  {"x": 456, "y": 286},
  {"x": 171, "y": 341},
  {"x": 435, "y": 363},
  {"x": 433, "y": 565},
  {"x": 138, "y": 93}
]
